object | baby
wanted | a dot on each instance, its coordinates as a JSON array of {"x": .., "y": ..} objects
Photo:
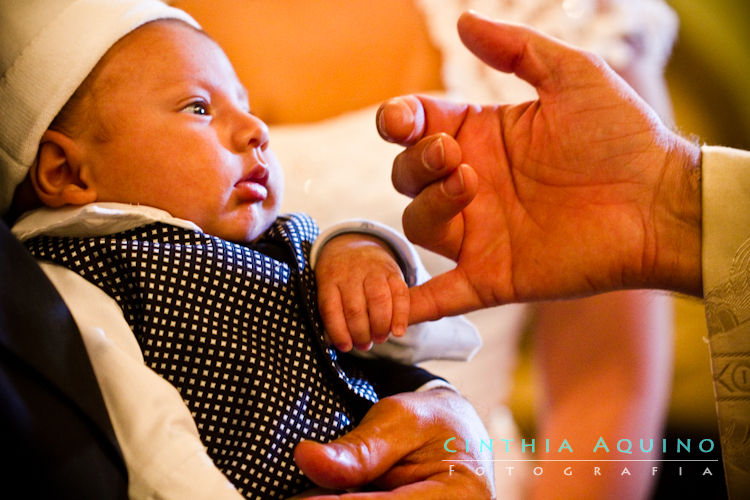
[{"x": 159, "y": 188}]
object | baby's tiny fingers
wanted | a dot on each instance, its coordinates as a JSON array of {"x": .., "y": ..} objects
[
  {"x": 379, "y": 306},
  {"x": 332, "y": 314},
  {"x": 363, "y": 347},
  {"x": 401, "y": 301},
  {"x": 355, "y": 311}
]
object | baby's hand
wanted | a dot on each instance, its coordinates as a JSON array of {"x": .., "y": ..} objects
[{"x": 362, "y": 295}]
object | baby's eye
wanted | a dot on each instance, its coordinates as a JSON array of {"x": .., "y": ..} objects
[{"x": 196, "y": 108}]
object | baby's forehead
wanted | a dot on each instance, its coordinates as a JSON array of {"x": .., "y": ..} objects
[
  {"x": 170, "y": 50},
  {"x": 146, "y": 40}
]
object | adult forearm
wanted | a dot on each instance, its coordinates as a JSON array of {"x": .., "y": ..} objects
[{"x": 605, "y": 372}]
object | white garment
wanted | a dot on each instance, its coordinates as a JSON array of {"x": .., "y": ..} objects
[
  {"x": 156, "y": 433},
  {"x": 159, "y": 441},
  {"x": 725, "y": 185}
]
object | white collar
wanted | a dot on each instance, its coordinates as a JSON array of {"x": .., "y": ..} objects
[{"x": 95, "y": 219}]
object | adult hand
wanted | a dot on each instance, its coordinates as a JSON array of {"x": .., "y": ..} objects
[
  {"x": 581, "y": 191},
  {"x": 399, "y": 448}
]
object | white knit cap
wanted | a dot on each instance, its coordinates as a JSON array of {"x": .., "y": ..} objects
[{"x": 47, "y": 48}]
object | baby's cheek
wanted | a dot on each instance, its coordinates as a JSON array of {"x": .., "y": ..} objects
[{"x": 275, "y": 194}]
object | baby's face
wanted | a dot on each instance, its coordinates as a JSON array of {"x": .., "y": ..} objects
[{"x": 177, "y": 134}]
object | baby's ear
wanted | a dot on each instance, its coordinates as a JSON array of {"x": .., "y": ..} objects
[{"x": 56, "y": 176}]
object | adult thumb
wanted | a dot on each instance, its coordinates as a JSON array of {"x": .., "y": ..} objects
[
  {"x": 362, "y": 455},
  {"x": 447, "y": 294},
  {"x": 513, "y": 48},
  {"x": 330, "y": 465}
]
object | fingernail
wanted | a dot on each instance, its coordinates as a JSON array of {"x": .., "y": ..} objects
[
  {"x": 454, "y": 185},
  {"x": 479, "y": 15},
  {"x": 433, "y": 156},
  {"x": 380, "y": 118},
  {"x": 364, "y": 347},
  {"x": 341, "y": 454},
  {"x": 404, "y": 109},
  {"x": 398, "y": 112},
  {"x": 344, "y": 346}
]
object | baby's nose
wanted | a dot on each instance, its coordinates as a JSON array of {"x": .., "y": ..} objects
[{"x": 252, "y": 132}]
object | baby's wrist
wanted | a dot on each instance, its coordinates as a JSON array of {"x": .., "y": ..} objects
[
  {"x": 357, "y": 241},
  {"x": 404, "y": 252}
]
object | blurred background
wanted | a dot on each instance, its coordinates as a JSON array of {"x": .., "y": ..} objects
[{"x": 709, "y": 72}]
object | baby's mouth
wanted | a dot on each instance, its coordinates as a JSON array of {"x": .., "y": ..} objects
[{"x": 253, "y": 186}]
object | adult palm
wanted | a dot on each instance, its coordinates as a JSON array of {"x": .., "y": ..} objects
[{"x": 581, "y": 191}]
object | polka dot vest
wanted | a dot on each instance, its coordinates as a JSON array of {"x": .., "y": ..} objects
[{"x": 235, "y": 329}]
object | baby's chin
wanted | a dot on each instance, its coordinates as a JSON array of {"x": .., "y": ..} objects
[{"x": 246, "y": 231}]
